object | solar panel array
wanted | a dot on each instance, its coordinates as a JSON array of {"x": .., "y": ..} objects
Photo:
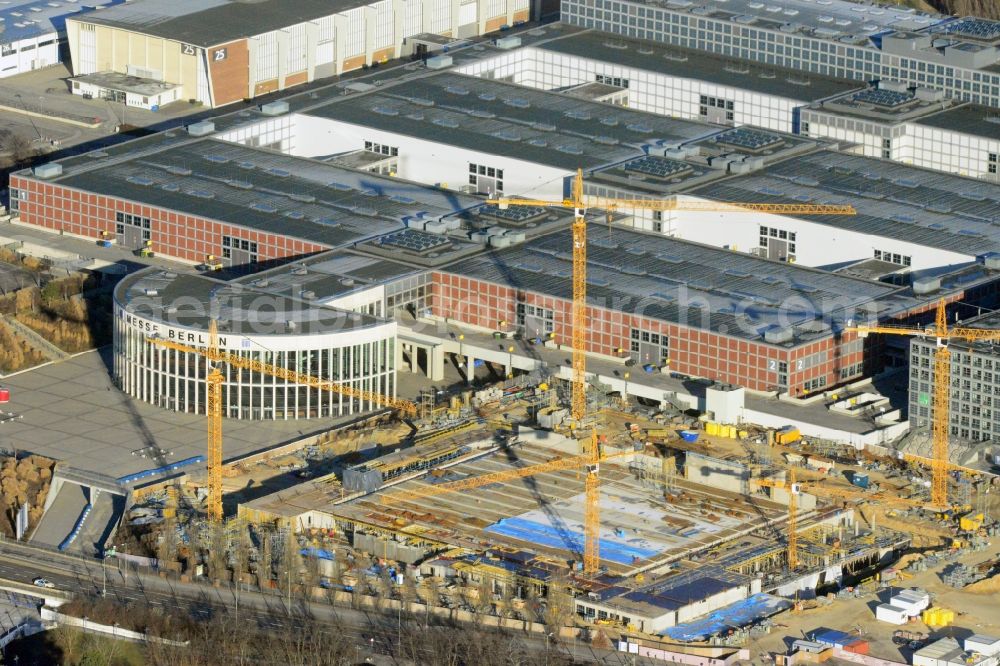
[
  {"x": 659, "y": 167},
  {"x": 741, "y": 137},
  {"x": 890, "y": 98},
  {"x": 512, "y": 213},
  {"x": 413, "y": 241},
  {"x": 975, "y": 28}
]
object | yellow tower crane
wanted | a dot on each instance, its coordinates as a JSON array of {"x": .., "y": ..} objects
[
  {"x": 793, "y": 535},
  {"x": 590, "y": 460},
  {"x": 579, "y": 202},
  {"x": 214, "y": 381},
  {"x": 942, "y": 334}
]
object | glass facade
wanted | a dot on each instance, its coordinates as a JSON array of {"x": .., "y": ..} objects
[{"x": 175, "y": 380}]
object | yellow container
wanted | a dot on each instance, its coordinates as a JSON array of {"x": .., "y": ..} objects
[
  {"x": 731, "y": 432},
  {"x": 938, "y": 617},
  {"x": 711, "y": 428}
]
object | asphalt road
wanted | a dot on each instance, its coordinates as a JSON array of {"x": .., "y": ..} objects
[{"x": 373, "y": 633}]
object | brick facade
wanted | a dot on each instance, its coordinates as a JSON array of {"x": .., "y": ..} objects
[
  {"x": 693, "y": 351},
  {"x": 228, "y": 69},
  {"x": 191, "y": 238}
]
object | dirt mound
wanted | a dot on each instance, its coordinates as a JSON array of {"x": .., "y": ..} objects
[{"x": 986, "y": 586}]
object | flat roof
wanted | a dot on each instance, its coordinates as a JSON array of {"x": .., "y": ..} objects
[
  {"x": 674, "y": 61},
  {"x": 892, "y": 200},
  {"x": 259, "y": 189},
  {"x": 125, "y": 82},
  {"x": 24, "y": 19},
  {"x": 966, "y": 119},
  {"x": 832, "y": 18},
  {"x": 213, "y": 22},
  {"x": 330, "y": 275},
  {"x": 674, "y": 280},
  {"x": 509, "y": 120},
  {"x": 189, "y": 299}
]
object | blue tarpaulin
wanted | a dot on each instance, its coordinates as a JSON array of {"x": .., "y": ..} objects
[
  {"x": 546, "y": 535},
  {"x": 320, "y": 553},
  {"x": 740, "y": 614}
]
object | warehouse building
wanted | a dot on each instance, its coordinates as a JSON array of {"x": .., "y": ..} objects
[
  {"x": 481, "y": 135},
  {"x": 33, "y": 32},
  {"x": 219, "y": 52},
  {"x": 887, "y": 119},
  {"x": 219, "y": 204},
  {"x": 469, "y": 134},
  {"x": 842, "y": 39},
  {"x": 670, "y": 81},
  {"x": 725, "y": 296}
]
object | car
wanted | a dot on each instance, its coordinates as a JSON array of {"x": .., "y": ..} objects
[{"x": 43, "y": 582}]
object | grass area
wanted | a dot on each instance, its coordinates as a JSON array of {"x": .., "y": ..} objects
[{"x": 68, "y": 646}]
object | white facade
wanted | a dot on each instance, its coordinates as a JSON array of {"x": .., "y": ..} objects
[
  {"x": 664, "y": 94},
  {"x": 892, "y": 615},
  {"x": 930, "y": 147},
  {"x": 419, "y": 160},
  {"x": 815, "y": 243},
  {"x": 24, "y": 55},
  {"x": 360, "y": 357},
  {"x": 150, "y": 101}
]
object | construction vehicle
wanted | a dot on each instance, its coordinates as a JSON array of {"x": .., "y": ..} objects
[
  {"x": 940, "y": 420},
  {"x": 213, "y": 381},
  {"x": 590, "y": 461}
]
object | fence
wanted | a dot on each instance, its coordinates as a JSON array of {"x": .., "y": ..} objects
[{"x": 111, "y": 630}]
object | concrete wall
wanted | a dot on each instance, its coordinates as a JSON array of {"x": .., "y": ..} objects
[
  {"x": 858, "y": 440},
  {"x": 723, "y": 474}
]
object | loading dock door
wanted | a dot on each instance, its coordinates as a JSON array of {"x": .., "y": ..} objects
[{"x": 129, "y": 237}]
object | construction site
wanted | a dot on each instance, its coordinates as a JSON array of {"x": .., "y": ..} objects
[
  {"x": 666, "y": 397},
  {"x": 487, "y": 502}
]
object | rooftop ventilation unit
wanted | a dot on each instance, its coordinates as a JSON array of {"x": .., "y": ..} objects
[
  {"x": 50, "y": 170},
  {"x": 511, "y": 42},
  {"x": 777, "y": 335},
  {"x": 275, "y": 108},
  {"x": 439, "y": 62},
  {"x": 926, "y": 285},
  {"x": 308, "y": 294},
  {"x": 201, "y": 128}
]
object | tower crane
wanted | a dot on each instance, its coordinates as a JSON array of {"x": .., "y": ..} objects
[
  {"x": 213, "y": 384},
  {"x": 942, "y": 334},
  {"x": 579, "y": 202},
  {"x": 589, "y": 460},
  {"x": 793, "y": 489}
]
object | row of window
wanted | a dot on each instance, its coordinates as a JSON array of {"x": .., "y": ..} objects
[
  {"x": 132, "y": 220},
  {"x": 615, "y": 81},
  {"x": 485, "y": 171},
  {"x": 534, "y": 320},
  {"x": 381, "y": 149},
  {"x": 717, "y": 102},
  {"x": 815, "y": 384},
  {"x": 893, "y": 257}
]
